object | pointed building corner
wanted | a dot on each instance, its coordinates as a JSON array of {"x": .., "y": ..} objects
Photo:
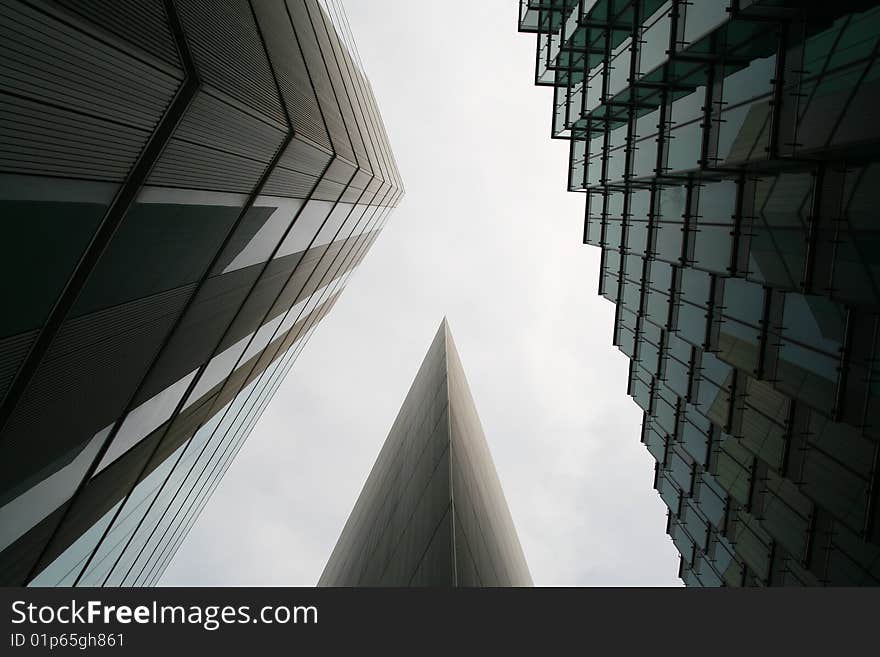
[
  {"x": 429, "y": 537},
  {"x": 444, "y": 327}
]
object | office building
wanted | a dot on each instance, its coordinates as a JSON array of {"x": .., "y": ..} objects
[
  {"x": 728, "y": 153},
  {"x": 432, "y": 512},
  {"x": 185, "y": 189}
]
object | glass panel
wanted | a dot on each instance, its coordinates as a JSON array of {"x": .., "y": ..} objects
[
  {"x": 712, "y": 499},
  {"x": 691, "y": 323},
  {"x": 750, "y": 82},
  {"x": 764, "y": 419},
  {"x": 64, "y": 570},
  {"x": 47, "y": 224},
  {"x": 135, "y": 507},
  {"x": 655, "y": 40},
  {"x": 809, "y": 353},
  {"x": 619, "y": 72},
  {"x": 616, "y": 167},
  {"x": 594, "y": 90},
  {"x": 734, "y": 469},
  {"x": 669, "y": 493},
  {"x": 739, "y": 344},
  {"x": 726, "y": 563},
  {"x": 610, "y": 271},
  {"x": 656, "y": 443},
  {"x": 702, "y": 17},
  {"x": 716, "y": 202},
  {"x": 266, "y": 237},
  {"x": 613, "y": 232},
  {"x": 144, "y": 419},
  {"x": 307, "y": 225},
  {"x": 785, "y": 514},
  {"x": 644, "y": 158},
  {"x": 162, "y": 503},
  {"x": 743, "y": 301},
  {"x": 682, "y": 541},
  {"x": 648, "y": 355},
  {"x": 26, "y": 509},
  {"x": 167, "y": 240},
  {"x": 744, "y": 132},
  {"x": 672, "y": 203},
  {"x": 696, "y": 526},
  {"x": 680, "y": 470},
  {"x": 637, "y": 237},
  {"x": 688, "y": 107},
  {"x": 677, "y": 376},
  {"x": 647, "y": 124},
  {"x": 657, "y": 307},
  {"x": 664, "y": 414},
  {"x": 752, "y": 544},
  {"x": 684, "y": 147}
]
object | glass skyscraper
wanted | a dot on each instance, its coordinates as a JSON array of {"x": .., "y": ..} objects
[
  {"x": 728, "y": 152},
  {"x": 432, "y": 511},
  {"x": 185, "y": 188}
]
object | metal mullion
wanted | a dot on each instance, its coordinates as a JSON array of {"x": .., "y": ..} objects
[
  {"x": 162, "y": 541},
  {"x": 125, "y": 197},
  {"x": 270, "y": 167}
]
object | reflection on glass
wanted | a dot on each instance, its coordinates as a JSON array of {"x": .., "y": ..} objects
[
  {"x": 266, "y": 238},
  {"x": 141, "y": 421},
  {"x": 25, "y": 510}
]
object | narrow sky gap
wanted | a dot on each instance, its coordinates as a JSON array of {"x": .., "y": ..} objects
[{"x": 487, "y": 236}]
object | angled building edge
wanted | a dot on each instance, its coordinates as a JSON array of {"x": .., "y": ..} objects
[{"x": 432, "y": 511}]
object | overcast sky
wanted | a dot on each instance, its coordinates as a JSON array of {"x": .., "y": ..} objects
[{"x": 487, "y": 236}]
